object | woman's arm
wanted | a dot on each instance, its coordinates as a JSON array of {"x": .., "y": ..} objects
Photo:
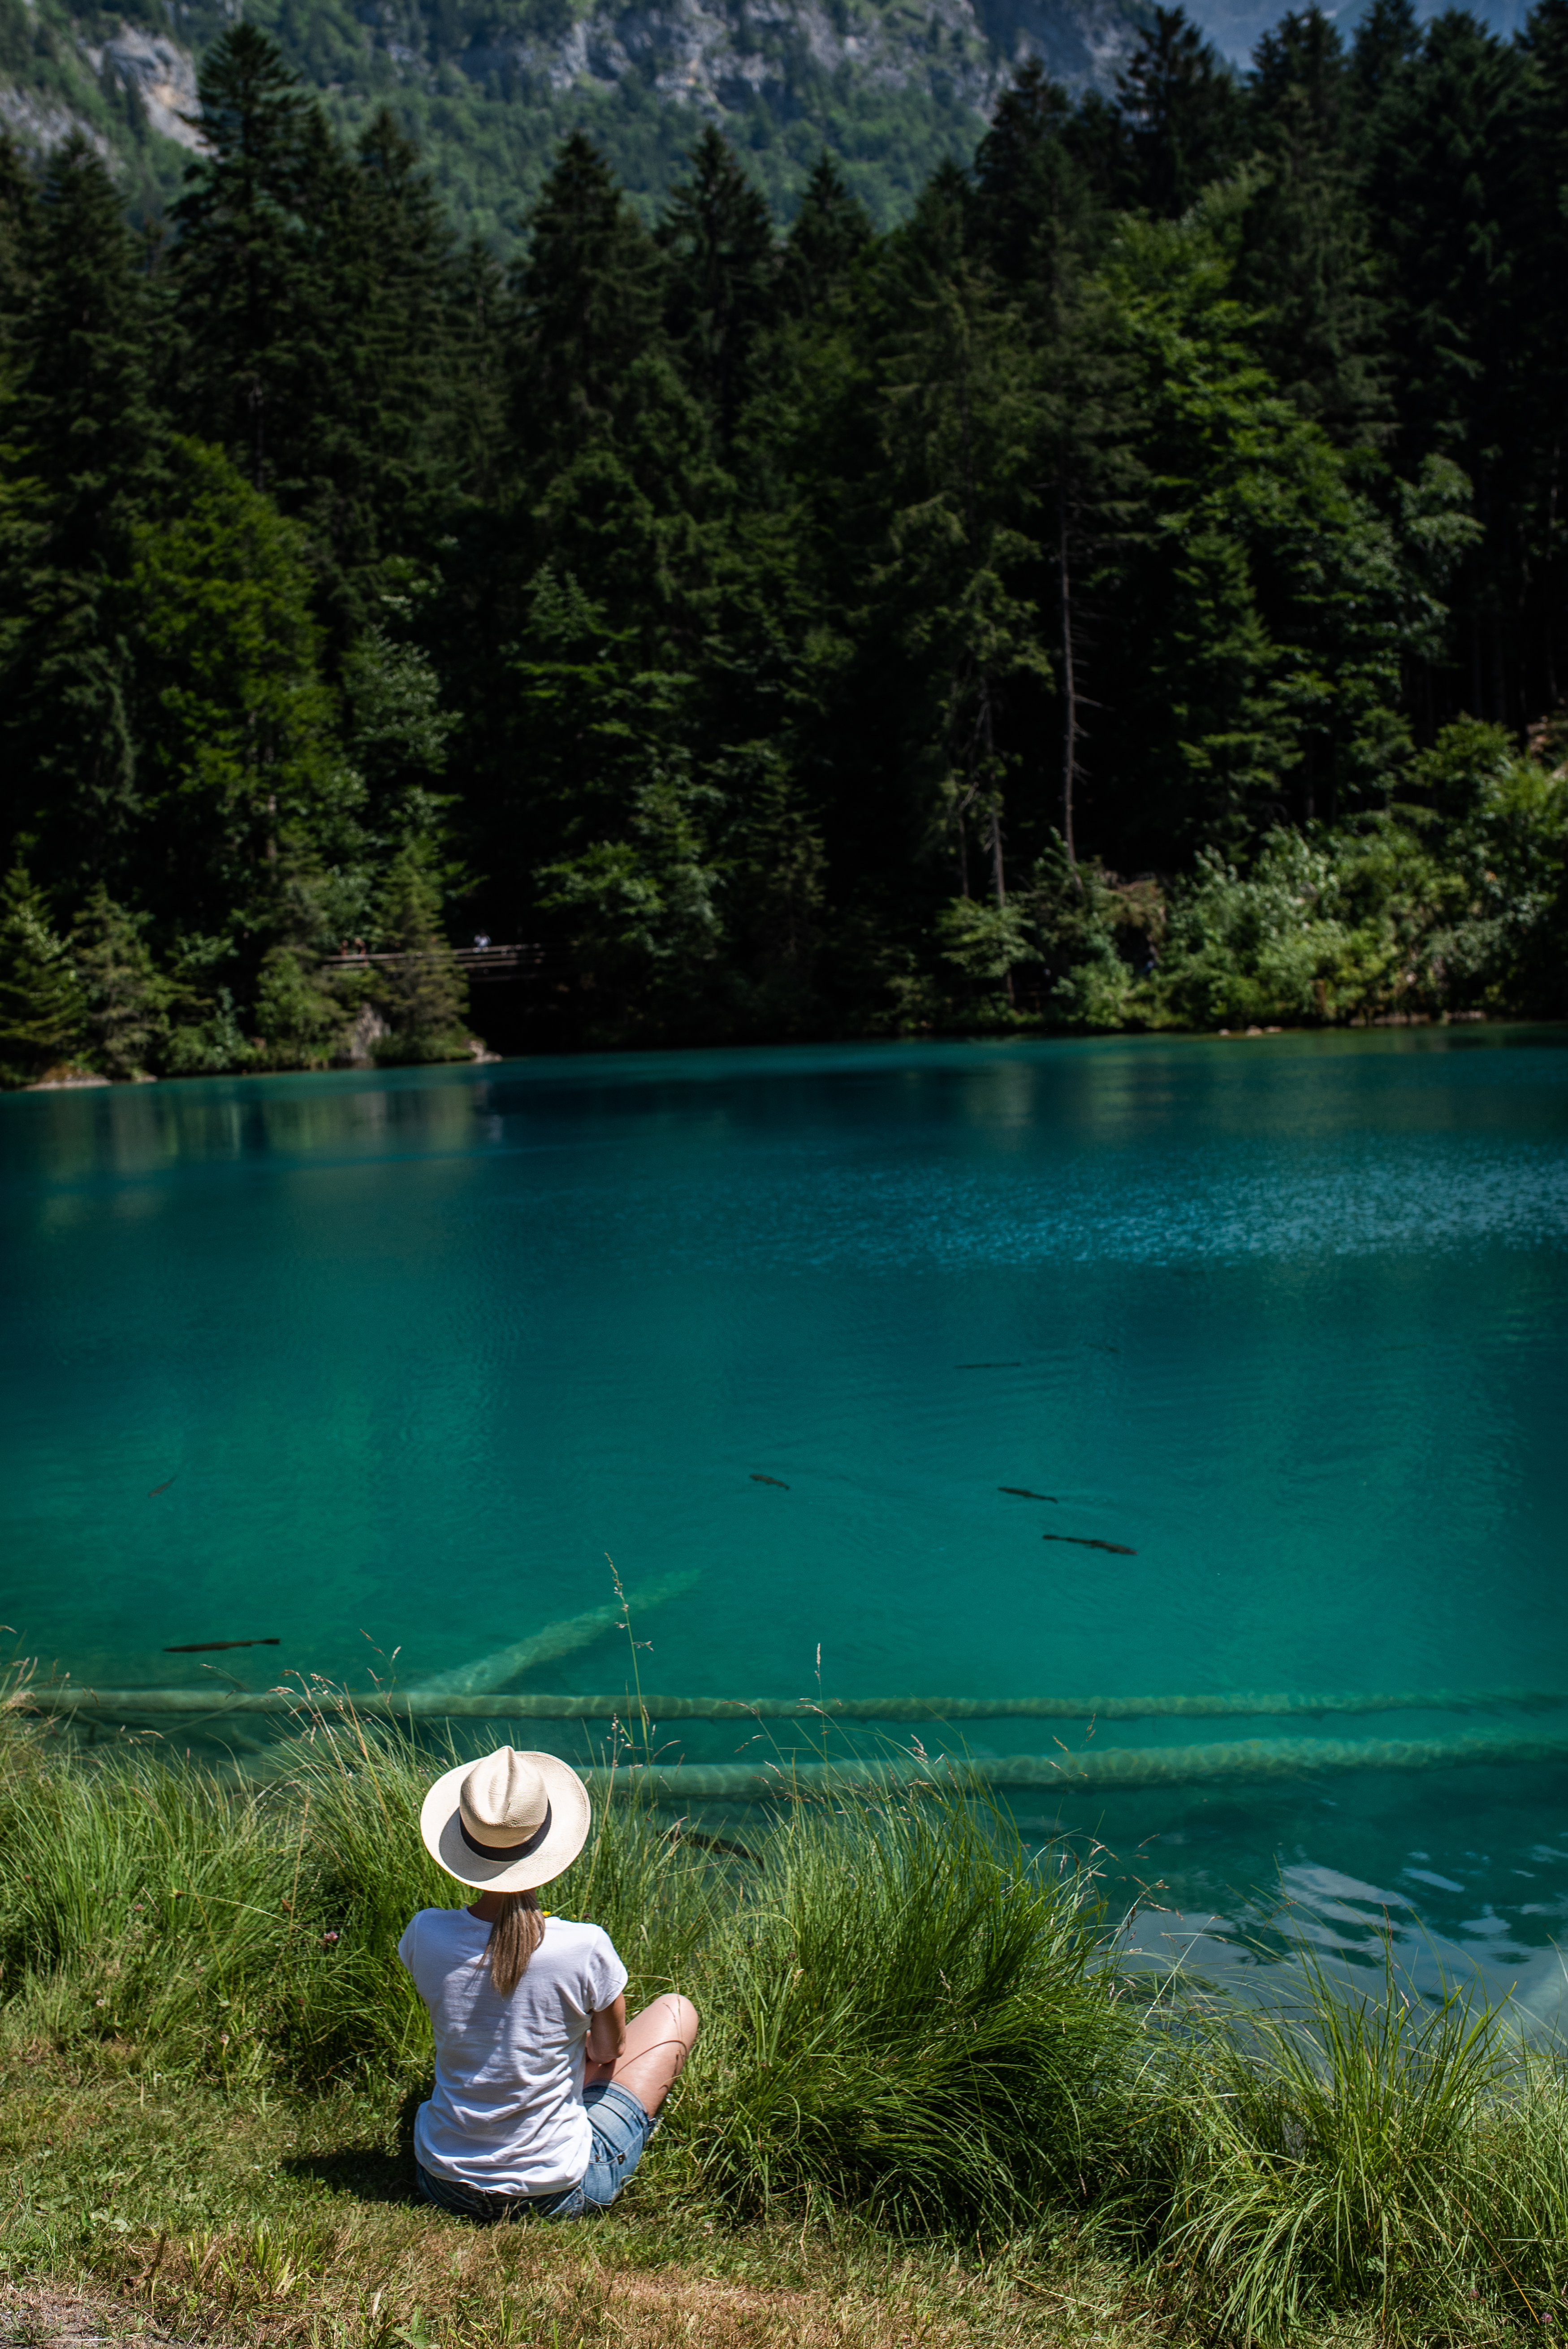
[{"x": 606, "y": 2036}]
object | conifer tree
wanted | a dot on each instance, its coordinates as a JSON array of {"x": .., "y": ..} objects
[
  {"x": 1387, "y": 41},
  {"x": 126, "y": 1001},
  {"x": 1543, "y": 271},
  {"x": 17, "y": 234},
  {"x": 829, "y": 233},
  {"x": 1042, "y": 222},
  {"x": 84, "y": 439},
  {"x": 1035, "y": 205},
  {"x": 1447, "y": 185},
  {"x": 1306, "y": 262},
  {"x": 724, "y": 275},
  {"x": 424, "y": 996},
  {"x": 313, "y": 292},
  {"x": 962, "y": 413},
  {"x": 390, "y": 266},
  {"x": 589, "y": 297},
  {"x": 247, "y": 275},
  {"x": 1181, "y": 112},
  {"x": 42, "y": 1008}
]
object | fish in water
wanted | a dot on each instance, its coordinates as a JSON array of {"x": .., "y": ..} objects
[
  {"x": 1085, "y": 1541},
  {"x": 208, "y": 1647},
  {"x": 163, "y": 1487},
  {"x": 714, "y": 1843},
  {"x": 1022, "y": 1492},
  {"x": 756, "y": 1479},
  {"x": 988, "y": 1366}
]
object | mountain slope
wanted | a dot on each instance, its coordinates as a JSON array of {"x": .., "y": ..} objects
[{"x": 890, "y": 86}]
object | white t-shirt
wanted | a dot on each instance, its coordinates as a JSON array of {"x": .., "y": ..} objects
[{"x": 507, "y": 2114}]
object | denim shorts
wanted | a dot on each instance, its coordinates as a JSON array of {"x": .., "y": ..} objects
[{"x": 621, "y": 2130}]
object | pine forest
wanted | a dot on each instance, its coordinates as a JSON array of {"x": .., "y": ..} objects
[{"x": 1130, "y": 591}]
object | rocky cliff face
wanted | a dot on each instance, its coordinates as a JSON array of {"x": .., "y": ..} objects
[
  {"x": 890, "y": 86},
  {"x": 158, "y": 72},
  {"x": 729, "y": 55}
]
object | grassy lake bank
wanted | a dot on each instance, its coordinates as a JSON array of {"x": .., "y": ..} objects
[{"x": 928, "y": 2104}]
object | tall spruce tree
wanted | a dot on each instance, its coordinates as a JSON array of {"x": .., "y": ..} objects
[
  {"x": 829, "y": 235},
  {"x": 723, "y": 275},
  {"x": 961, "y": 412},
  {"x": 125, "y": 1020},
  {"x": 401, "y": 455},
  {"x": 247, "y": 275},
  {"x": 1306, "y": 263},
  {"x": 1446, "y": 184},
  {"x": 1182, "y": 113},
  {"x": 1037, "y": 209},
  {"x": 307, "y": 299},
  {"x": 590, "y": 301},
  {"x": 17, "y": 197},
  {"x": 42, "y": 1010},
  {"x": 83, "y": 438},
  {"x": 1387, "y": 42},
  {"x": 1542, "y": 270}
]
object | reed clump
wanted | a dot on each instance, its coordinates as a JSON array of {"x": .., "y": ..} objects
[{"x": 909, "y": 2025}]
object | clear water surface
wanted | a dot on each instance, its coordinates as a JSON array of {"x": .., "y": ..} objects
[{"x": 408, "y": 1355}]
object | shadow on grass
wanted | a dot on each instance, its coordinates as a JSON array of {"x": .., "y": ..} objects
[
  {"x": 363, "y": 2171},
  {"x": 370, "y": 2172}
]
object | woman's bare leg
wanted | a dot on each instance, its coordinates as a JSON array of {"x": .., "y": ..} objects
[{"x": 658, "y": 2042}]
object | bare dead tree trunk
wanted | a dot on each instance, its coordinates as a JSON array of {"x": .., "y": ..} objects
[
  {"x": 1552, "y": 696},
  {"x": 998, "y": 866},
  {"x": 1069, "y": 689}
]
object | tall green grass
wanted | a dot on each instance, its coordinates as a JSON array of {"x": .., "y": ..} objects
[
  {"x": 1331, "y": 2160},
  {"x": 904, "y": 2016}
]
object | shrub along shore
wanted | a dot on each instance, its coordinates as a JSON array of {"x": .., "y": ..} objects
[{"x": 928, "y": 2104}]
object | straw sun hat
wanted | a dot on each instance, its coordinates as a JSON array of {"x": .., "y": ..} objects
[{"x": 507, "y": 1823}]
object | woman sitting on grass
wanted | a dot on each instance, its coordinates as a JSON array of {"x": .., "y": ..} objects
[{"x": 545, "y": 2096}]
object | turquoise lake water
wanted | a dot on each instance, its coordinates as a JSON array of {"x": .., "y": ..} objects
[{"x": 409, "y": 1354}]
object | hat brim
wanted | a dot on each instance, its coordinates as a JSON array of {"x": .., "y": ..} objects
[{"x": 571, "y": 1815}]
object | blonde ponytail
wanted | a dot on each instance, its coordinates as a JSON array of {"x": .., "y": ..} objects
[{"x": 513, "y": 1939}]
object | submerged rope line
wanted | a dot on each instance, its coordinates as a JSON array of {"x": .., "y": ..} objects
[{"x": 432, "y": 1703}]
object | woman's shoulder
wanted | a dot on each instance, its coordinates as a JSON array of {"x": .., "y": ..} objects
[
  {"x": 564, "y": 1929},
  {"x": 575, "y": 1937},
  {"x": 588, "y": 1949},
  {"x": 432, "y": 1921}
]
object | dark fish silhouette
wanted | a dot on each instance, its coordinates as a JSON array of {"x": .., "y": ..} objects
[
  {"x": 1022, "y": 1492},
  {"x": 207, "y": 1647},
  {"x": 163, "y": 1487},
  {"x": 714, "y": 1843},
  {"x": 756, "y": 1479},
  {"x": 1085, "y": 1542},
  {"x": 988, "y": 1366}
]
